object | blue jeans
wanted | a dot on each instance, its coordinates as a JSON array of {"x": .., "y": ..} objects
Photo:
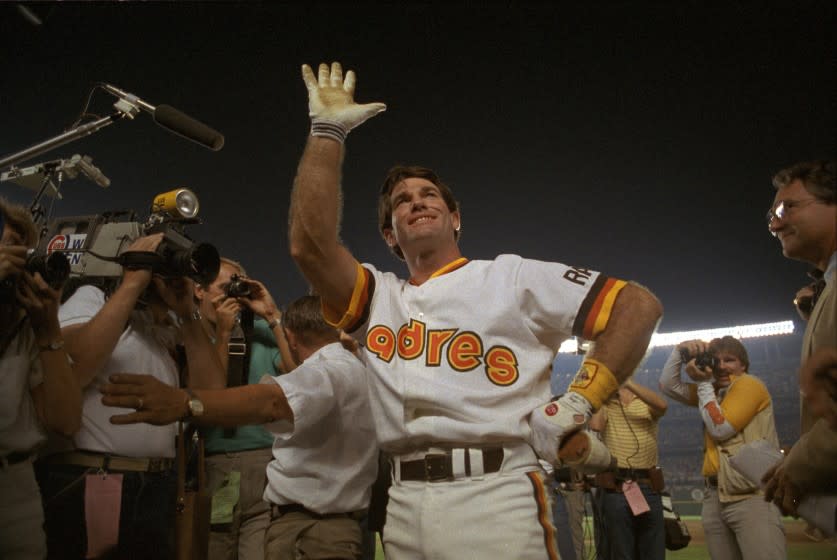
[
  {"x": 565, "y": 522},
  {"x": 621, "y": 535},
  {"x": 146, "y": 519}
]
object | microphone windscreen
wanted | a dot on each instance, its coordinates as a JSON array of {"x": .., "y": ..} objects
[{"x": 184, "y": 125}]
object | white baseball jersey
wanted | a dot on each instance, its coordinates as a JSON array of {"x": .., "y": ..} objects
[{"x": 466, "y": 356}]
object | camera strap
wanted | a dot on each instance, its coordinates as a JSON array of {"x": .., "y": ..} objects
[{"x": 238, "y": 364}]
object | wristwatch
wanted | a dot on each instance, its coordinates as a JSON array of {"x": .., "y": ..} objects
[
  {"x": 195, "y": 405},
  {"x": 52, "y": 346},
  {"x": 191, "y": 317}
]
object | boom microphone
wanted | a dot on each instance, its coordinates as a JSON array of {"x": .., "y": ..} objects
[
  {"x": 175, "y": 121},
  {"x": 90, "y": 171}
]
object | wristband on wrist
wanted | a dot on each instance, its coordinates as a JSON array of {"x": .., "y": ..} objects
[
  {"x": 275, "y": 322},
  {"x": 595, "y": 382},
  {"x": 329, "y": 129}
]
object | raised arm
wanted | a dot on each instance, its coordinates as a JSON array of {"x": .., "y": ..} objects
[
  {"x": 90, "y": 344},
  {"x": 656, "y": 403},
  {"x": 58, "y": 398},
  {"x": 316, "y": 200},
  {"x": 671, "y": 381}
]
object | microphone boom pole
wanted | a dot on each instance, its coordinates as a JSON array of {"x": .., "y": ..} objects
[{"x": 64, "y": 138}]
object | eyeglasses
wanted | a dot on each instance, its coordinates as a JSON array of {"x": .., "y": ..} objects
[{"x": 782, "y": 209}]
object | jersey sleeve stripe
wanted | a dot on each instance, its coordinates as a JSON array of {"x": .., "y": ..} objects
[
  {"x": 358, "y": 310},
  {"x": 595, "y": 309}
]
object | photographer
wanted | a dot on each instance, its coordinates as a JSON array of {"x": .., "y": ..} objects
[
  {"x": 37, "y": 387},
  {"x": 736, "y": 409},
  {"x": 237, "y": 458},
  {"x": 125, "y": 472}
]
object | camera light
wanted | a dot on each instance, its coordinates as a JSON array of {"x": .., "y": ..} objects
[{"x": 181, "y": 203}]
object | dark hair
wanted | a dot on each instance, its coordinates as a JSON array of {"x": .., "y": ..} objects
[
  {"x": 19, "y": 219},
  {"x": 818, "y": 177},
  {"x": 304, "y": 317},
  {"x": 731, "y": 345},
  {"x": 395, "y": 176}
]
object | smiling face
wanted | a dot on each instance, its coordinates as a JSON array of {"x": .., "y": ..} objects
[
  {"x": 421, "y": 220},
  {"x": 400, "y": 182},
  {"x": 807, "y": 229},
  {"x": 728, "y": 365}
]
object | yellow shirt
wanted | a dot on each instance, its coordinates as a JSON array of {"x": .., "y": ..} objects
[
  {"x": 631, "y": 434},
  {"x": 746, "y": 397}
]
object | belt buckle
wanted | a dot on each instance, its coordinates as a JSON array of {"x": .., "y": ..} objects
[
  {"x": 435, "y": 467},
  {"x": 236, "y": 348}
]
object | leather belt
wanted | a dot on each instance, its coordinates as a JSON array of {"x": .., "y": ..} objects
[
  {"x": 438, "y": 467},
  {"x": 278, "y": 510},
  {"x": 111, "y": 462},
  {"x": 712, "y": 480},
  {"x": 14, "y": 458},
  {"x": 633, "y": 474}
]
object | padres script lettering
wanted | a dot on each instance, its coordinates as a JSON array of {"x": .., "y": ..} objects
[{"x": 462, "y": 350}]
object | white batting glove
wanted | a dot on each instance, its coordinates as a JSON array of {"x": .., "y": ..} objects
[
  {"x": 551, "y": 422},
  {"x": 331, "y": 103}
]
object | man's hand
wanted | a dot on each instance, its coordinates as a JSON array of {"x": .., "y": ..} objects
[
  {"x": 698, "y": 374},
  {"x": 12, "y": 259},
  {"x": 141, "y": 277},
  {"x": 155, "y": 402},
  {"x": 552, "y": 422},
  {"x": 331, "y": 98},
  {"x": 41, "y": 303},
  {"x": 260, "y": 301},
  {"x": 780, "y": 490},
  {"x": 226, "y": 313}
]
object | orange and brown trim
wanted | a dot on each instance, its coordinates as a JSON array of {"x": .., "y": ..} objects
[
  {"x": 450, "y": 267},
  {"x": 595, "y": 310},
  {"x": 358, "y": 311},
  {"x": 544, "y": 514}
]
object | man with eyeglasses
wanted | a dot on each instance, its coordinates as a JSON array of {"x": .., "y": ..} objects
[{"x": 804, "y": 219}]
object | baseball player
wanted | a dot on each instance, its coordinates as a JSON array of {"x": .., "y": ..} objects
[{"x": 460, "y": 353}]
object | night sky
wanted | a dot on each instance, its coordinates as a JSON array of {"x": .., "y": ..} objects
[{"x": 633, "y": 138}]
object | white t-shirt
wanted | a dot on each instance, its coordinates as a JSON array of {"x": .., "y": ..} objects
[
  {"x": 465, "y": 357},
  {"x": 137, "y": 351},
  {"x": 20, "y": 372},
  {"x": 327, "y": 458}
]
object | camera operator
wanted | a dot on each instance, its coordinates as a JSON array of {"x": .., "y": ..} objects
[
  {"x": 237, "y": 458},
  {"x": 124, "y": 472},
  {"x": 37, "y": 387},
  {"x": 736, "y": 409}
]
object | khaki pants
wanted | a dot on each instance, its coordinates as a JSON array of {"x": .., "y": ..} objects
[
  {"x": 749, "y": 529},
  {"x": 243, "y": 539},
  {"x": 297, "y": 535}
]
